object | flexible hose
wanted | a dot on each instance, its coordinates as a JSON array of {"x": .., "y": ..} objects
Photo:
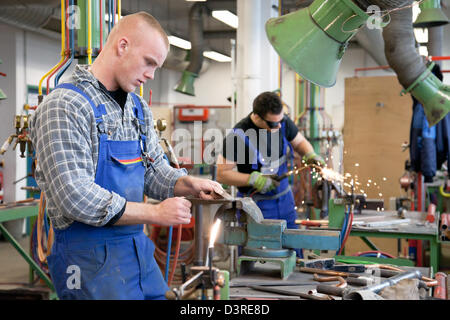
[
  {"x": 400, "y": 48},
  {"x": 374, "y": 254},
  {"x": 89, "y": 48},
  {"x": 196, "y": 38},
  {"x": 169, "y": 248},
  {"x": 177, "y": 251},
  {"x": 347, "y": 233},
  {"x": 63, "y": 43},
  {"x": 71, "y": 51}
]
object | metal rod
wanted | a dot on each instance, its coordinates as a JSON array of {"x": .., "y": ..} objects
[
  {"x": 288, "y": 293},
  {"x": 355, "y": 294},
  {"x": 198, "y": 260}
]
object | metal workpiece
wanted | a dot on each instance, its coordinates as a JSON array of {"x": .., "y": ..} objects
[{"x": 288, "y": 293}]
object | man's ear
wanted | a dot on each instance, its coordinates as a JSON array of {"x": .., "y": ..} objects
[{"x": 122, "y": 46}]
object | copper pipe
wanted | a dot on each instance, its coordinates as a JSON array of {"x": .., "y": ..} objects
[
  {"x": 342, "y": 283},
  {"x": 441, "y": 290},
  {"x": 324, "y": 272}
]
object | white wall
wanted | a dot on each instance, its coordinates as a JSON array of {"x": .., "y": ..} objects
[{"x": 26, "y": 56}]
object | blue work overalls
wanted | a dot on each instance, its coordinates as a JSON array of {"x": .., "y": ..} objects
[
  {"x": 278, "y": 203},
  {"x": 110, "y": 262}
]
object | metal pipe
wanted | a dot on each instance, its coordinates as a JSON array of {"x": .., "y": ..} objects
[
  {"x": 441, "y": 290},
  {"x": 356, "y": 294},
  {"x": 196, "y": 38},
  {"x": 89, "y": 17},
  {"x": 198, "y": 260},
  {"x": 63, "y": 44}
]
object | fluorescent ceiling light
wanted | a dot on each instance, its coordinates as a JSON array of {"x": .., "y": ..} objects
[
  {"x": 196, "y": 0},
  {"x": 107, "y": 17},
  {"x": 421, "y": 35},
  {"x": 423, "y": 51},
  {"x": 180, "y": 43},
  {"x": 226, "y": 17},
  {"x": 216, "y": 56}
]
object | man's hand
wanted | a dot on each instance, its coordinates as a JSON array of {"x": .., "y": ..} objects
[
  {"x": 201, "y": 188},
  {"x": 314, "y": 158},
  {"x": 207, "y": 189},
  {"x": 173, "y": 211},
  {"x": 261, "y": 183}
]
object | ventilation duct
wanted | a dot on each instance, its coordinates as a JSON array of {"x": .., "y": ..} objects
[
  {"x": 186, "y": 84},
  {"x": 37, "y": 16},
  {"x": 312, "y": 41},
  {"x": 431, "y": 15},
  {"x": 372, "y": 42}
]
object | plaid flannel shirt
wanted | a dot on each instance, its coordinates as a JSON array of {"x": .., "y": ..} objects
[{"x": 64, "y": 134}]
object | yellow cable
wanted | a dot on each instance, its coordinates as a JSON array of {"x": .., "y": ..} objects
[
  {"x": 119, "y": 9},
  {"x": 141, "y": 90},
  {"x": 443, "y": 193},
  {"x": 63, "y": 46},
  {"x": 89, "y": 48},
  {"x": 297, "y": 80}
]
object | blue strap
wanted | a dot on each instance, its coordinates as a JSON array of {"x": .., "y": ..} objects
[
  {"x": 247, "y": 142},
  {"x": 98, "y": 110},
  {"x": 139, "y": 114},
  {"x": 137, "y": 108}
]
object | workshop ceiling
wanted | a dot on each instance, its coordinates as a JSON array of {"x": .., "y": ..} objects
[{"x": 172, "y": 14}]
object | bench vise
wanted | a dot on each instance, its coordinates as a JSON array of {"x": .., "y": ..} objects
[{"x": 266, "y": 240}]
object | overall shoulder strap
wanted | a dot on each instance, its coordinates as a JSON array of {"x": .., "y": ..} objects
[
  {"x": 256, "y": 153},
  {"x": 99, "y": 110}
]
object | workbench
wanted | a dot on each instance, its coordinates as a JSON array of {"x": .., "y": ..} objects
[
  {"x": 268, "y": 276},
  {"x": 20, "y": 211},
  {"x": 417, "y": 228}
]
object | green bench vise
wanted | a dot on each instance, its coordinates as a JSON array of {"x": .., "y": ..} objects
[{"x": 267, "y": 240}]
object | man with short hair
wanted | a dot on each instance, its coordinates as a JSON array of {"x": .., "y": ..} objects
[
  {"x": 97, "y": 155},
  {"x": 258, "y": 146}
]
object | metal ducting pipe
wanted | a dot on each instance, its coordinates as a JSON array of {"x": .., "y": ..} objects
[
  {"x": 186, "y": 84},
  {"x": 412, "y": 71},
  {"x": 383, "y": 4},
  {"x": 435, "y": 36},
  {"x": 400, "y": 48},
  {"x": 30, "y": 15},
  {"x": 372, "y": 41}
]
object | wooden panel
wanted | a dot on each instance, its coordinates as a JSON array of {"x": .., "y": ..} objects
[{"x": 377, "y": 122}]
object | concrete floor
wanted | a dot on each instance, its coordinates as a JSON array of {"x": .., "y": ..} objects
[{"x": 13, "y": 267}]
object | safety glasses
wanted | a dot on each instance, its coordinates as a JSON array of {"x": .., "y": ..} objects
[{"x": 271, "y": 124}]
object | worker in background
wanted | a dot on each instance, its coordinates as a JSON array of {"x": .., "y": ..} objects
[
  {"x": 258, "y": 146},
  {"x": 97, "y": 155}
]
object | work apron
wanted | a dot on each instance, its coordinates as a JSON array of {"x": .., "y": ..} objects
[
  {"x": 278, "y": 203},
  {"x": 110, "y": 262}
]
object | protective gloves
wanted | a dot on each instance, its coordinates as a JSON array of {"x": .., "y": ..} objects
[
  {"x": 262, "y": 183},
  {"x": 314, "y": 158}
]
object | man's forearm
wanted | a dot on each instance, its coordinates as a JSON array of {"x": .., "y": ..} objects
[
  {"x": 184, "y": 187},
  {"x": 137, "y": 213},
  {"x": 304, "y": 147}
]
